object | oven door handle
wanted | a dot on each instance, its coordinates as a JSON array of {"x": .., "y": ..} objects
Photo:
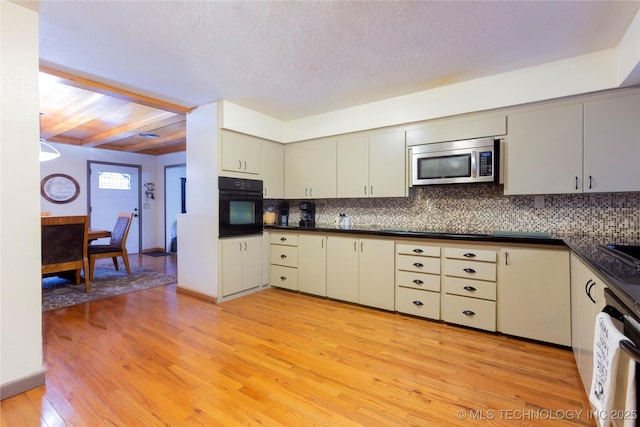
[
  {"x": 631, "y": 349},
  {"x": 627, "y": 345}
]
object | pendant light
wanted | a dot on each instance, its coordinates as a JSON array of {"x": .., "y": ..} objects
[{"x": 47, "y": 152}]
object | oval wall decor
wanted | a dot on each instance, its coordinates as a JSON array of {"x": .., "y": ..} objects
[{"x": 59, "y": 188}]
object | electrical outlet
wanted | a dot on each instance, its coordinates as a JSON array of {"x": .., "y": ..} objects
[
  {"x": 538, "y": 201},
  {"x": 147, "y": 205}
]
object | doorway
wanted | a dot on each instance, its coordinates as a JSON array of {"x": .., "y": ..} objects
[
  {"x": 174, "y": 203},
  {"x": 115, "y": 188}
]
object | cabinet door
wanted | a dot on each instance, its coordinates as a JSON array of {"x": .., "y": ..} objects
[
  {"x": 342, "y": 268},
  {"x": 312, "y": 264},
  {"x": 353, "y": 166},
  {"x": 296, "y": 162},
  {"x": 273, "y": 170},
  {"x": 612, "y": 144},
  {"x": 534, "y": 294},
  {"x": 232, "y": 152},
  {"x": 252, "y": 262},
  {"x": 241, "y": 153},
  {"x": 544, "y": 151},
  {"x": 587, "y": 301},
  {"x": 376, "y": 273},
  {"x": 321, "y": 167},
  {"x": 252, "y": 155},
  {"x": 387, "y": 165},
  {"x": 232, "y": 253}
]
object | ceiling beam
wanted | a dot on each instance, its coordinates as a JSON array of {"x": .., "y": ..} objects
[{"x": 113, "y": 91}]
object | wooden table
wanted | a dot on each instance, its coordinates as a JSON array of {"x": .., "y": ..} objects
[{"x": 97, "y": 234}]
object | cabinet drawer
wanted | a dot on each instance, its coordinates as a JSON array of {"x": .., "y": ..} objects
[
  {"x": 425, "y": 282},
  {"x": 284, "y": 255},
  {"x": 470, "y": 254},
  {"x": 284, "y": 239},
  {"x": 418, "y": 303},
  {"x": 418, "y": 264},
  {"x": 470, "y": 269},
  {"x": 469, "y": 288},
  {"x": 408, "y": 249},
  {"x": 284, "y": 277},
  {"x": 476, "y": 313}
]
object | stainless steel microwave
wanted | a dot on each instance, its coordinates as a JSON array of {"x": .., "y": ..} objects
[{"x": 455, "y": 162}]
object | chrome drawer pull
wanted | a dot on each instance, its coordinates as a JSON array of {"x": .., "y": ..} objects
[
  {"x": 418, "y": 303},
  {"x": 469, "y": 288},
  {"x": 469, "y": 270},
  {"x": 469, "y": 255},
  {"x": 418, "y": 282},
  {"x": 417, "y": 264},
  {"x": 283, "y": 256},
  {"x": 283, "y": 278},
  {"x": 418, "y": 251},
  {"x": 468, "y": 313}
]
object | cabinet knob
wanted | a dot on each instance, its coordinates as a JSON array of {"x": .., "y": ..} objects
[
  {"x": 469, "y": 288},
  {"x": 469, "y": 270},
  {"x": 468, "y": 313},
  {"x": 283, "y": 256},
  {"x": 418, "y": 251},
  {"x": 418, "y": 303},
  {"x": 418, "y": 264},
  {"x": 418, "y": 282},
  {"x": 283, "y": 278},
  {"x": 469, "y": 255},
  {"x": 283, "y": 239}
]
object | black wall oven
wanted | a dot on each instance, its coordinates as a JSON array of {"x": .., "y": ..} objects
[{"x": 240, "y": 211}]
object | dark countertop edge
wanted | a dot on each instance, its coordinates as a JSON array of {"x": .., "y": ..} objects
[
  {"x": 474, "y": 237},
  {"x": 583, "y": 251}
]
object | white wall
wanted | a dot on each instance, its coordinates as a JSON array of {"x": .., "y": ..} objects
[
  {"x": 20, "y": 285},
  {"x": 73, "y": 162},
  {"x": 198, "y": 228}
]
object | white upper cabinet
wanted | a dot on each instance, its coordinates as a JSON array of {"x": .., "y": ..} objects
[
  {"x": 241, "y": 155},
  {"x": 573, "y": 147},
  {"x": 612, "y": 144},
  {"x": 372, "y": 165},
  {"x": 310, "y": 169},
  {"x": 543, "y": 151},
  {"x": 273, "y": 170}
]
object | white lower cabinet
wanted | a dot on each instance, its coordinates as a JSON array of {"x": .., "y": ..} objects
[
  {"x": 534, "y": 291},
  {"x": 587, "y": 300},
  {"x": 361, "y": 271},
  {"x": 283, "y": 260},
  {"x": 312, "y": 264},
  {"x": 469, "y": 280},
  {"x": 241, "y": 264},
  {"x": 418, "y": 279}
]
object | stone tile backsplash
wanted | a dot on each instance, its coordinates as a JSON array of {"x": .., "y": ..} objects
[{"x": 484, "y": 208}]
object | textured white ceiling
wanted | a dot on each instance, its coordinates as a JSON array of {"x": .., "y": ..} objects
[{"x": 295, "y": 59}]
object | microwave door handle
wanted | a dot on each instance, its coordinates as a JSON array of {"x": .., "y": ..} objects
[{"x": 474, "y": 164}]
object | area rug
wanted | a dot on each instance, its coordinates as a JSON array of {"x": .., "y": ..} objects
[
  {"x": 156, "y": 253},
  {"x": 107, "y": 282}
]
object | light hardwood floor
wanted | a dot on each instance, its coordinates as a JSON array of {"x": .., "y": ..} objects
[{"x": 281, "y": 358}]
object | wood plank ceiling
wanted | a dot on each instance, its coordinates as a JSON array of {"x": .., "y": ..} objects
[{"x": 85, "y": 113}]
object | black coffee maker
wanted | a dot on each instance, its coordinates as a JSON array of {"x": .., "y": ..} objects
[
  {"x": 307, "y": 214},
  {"x": 283, "y": 213}
]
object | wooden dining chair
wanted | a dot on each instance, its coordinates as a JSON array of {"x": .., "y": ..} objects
[
  {"x": 64, "y": 246},
  {"x": 117, "y": 246}
]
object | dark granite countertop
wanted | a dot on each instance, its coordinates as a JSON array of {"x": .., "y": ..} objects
[{"x": 622, "y": 279}]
